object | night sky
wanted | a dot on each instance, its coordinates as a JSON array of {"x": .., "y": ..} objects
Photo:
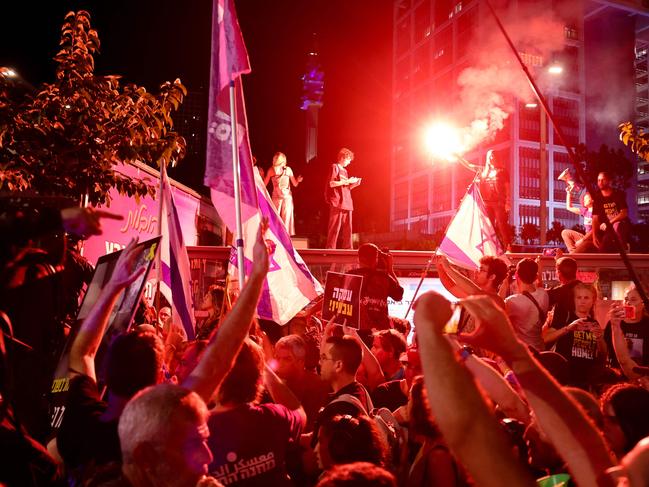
[{"x": 150, "y": 42}]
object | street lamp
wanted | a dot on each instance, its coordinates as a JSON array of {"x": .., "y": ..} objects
[{"x": 8, "y": 72}]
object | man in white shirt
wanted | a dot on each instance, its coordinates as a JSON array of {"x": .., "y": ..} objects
[{"x": 528, "y": 308}]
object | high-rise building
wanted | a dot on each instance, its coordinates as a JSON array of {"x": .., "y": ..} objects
[
  {"x": 641, "y": 66},
  {"x": 189, "y": 121},
  {"x": 434, "y": 42}
]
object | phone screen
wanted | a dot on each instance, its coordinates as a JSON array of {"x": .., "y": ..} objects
[
  {"x": 629, "y": 312},
  {"x": 452, "y": 325}
]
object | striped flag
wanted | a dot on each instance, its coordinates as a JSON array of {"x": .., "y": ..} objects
[
  {"x": 289, "y": 284},
  {"x": 229, "y": 62},
  {"x": 470, "y": 235},
  {"x": 176, "y": 275}
]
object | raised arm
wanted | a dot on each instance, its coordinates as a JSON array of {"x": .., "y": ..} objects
[
  {"x": 615, "y": 314},
  {"x": 454, "y": 282},
  {"x": 469, "y": 429},
  {"x": 495, "y": 385},
  {"x": 573, "y": 435},
  {"x": 569, "y": 206},
  {"x": 469, "y": 165},
  {"x": 226, "y": 341},
  {"x": 86, "y": 343},
  {"x": 371, "y": 364}
]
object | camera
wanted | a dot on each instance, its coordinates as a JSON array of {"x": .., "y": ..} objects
[{"x": 382, "y": 259}]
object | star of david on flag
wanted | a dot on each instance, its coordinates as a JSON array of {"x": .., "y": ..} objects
[{"x": 470, "y": 234}]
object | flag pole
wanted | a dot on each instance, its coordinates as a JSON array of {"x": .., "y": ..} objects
[
  {"x": 592, "y": 190},
  {"x": 163, "y": 168},
  {"x": 241, "y": 271}
]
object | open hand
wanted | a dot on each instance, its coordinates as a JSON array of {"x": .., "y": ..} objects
[
  {"x": 126, "y": 269},
  {"x": 494, "y": 331},
  {"x": 432, "y": 308},
  {"x": 261, "y": 250}
]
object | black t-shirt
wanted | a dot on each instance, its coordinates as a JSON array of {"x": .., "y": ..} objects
[
  {"x": 250, "y": 443},
  {"x": 637, "y": 339},
  {"x": 340, "y": 196},
  {"x": 563, "y": 299},
  {"x": 579, "y": 348},
  {"x": 23, "y": 461},
  {"x": 357, "y": 390},
  {"x": 494, "y": 186},
  {"x": 389, "y": 395},
  {"x": 83, "y": 438},
  {"x": 377, "y": 287},
  {"x": 612, "y": 205}
]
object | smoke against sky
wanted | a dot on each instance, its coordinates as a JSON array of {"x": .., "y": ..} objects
[{"x": 488, "y": 87}]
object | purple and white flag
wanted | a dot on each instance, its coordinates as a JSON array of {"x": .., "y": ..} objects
[
  {"x": 176, "y": 284},
  {"x": 229, "y": 62},
  {"x": 289, "y": 284},
  {"x": 470, "y": 235}
]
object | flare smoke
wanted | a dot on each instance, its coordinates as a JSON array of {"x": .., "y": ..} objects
[{"x": 489, "y": 87}]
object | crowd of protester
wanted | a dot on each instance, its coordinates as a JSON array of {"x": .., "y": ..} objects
[{"x": 528, "y": 386}]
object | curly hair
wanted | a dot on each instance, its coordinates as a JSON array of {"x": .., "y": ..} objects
[
  {"x": 631, "y": 406},
  {"x": 421, "y": 417},
  {"x": 354, "y": 439}
]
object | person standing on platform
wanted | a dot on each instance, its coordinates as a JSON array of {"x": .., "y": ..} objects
[
  {"x": 339, "y": 198},
  {"x": 282, "y": 177},
  {"x": 493, "y": 183}
]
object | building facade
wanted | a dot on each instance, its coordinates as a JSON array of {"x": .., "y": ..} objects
[{"x": 434, "y": 42}]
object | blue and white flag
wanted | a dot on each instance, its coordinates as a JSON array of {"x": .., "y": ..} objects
[
  {"x": 176, "y": 274},
  {"x": 470, "y": 235},
  {"x": 289, "y": 284}
]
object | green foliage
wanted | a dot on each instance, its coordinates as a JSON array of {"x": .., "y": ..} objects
[
  {"x": 554, "y": 232},
  {"x": 636, "y": 140},
  {"x": 530, "y": 233},
  {"x": 66, "y": 138}
]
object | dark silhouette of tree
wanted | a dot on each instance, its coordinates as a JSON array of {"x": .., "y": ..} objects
[
  {"x": 612, "y": 161},
  {"x": 554, "y": 232},
  {"x": 530, "y": 233},
  {"x": 66, "y": 137}
]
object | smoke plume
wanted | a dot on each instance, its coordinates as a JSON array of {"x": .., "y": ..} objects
[{"x": 489, "y": 87}]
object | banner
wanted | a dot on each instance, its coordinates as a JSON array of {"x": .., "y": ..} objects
[{"x": 342, "y": 299}]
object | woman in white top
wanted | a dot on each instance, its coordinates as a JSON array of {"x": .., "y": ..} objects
[{"x": 282, "y": 177}]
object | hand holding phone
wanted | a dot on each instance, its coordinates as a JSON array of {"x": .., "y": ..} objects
[{"x": 629, "y": 312}]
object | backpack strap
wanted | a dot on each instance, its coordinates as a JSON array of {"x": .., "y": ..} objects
[{"x": 542, "y": 314}]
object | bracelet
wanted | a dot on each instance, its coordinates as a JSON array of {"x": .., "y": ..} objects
[{"x": 464, "y": 353}]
